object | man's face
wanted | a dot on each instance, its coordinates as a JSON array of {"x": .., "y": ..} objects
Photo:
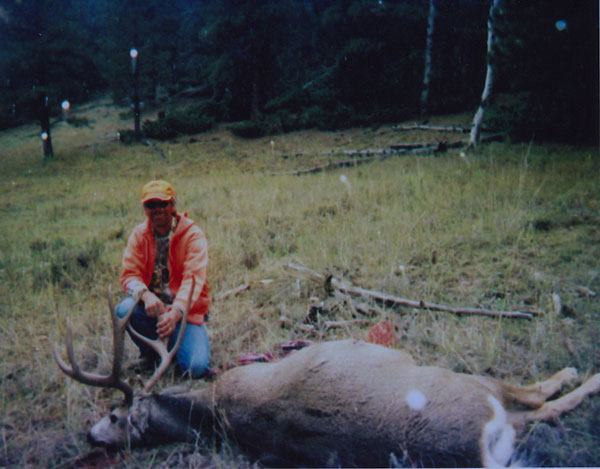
[{"x": 160, "y": 214}]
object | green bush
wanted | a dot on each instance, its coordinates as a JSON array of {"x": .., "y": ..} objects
[
  {"x": 191, "y": 122},
  {"x": 126, "y": 136},
  {"x": 187, "y": 121},
  {"x": 161, "y": 129},
  {"x": 528, "y": 115},
  {"x": 249, "y": 129}
]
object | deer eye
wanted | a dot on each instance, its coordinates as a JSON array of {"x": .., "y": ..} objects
[{"x": 113, "y": 418}]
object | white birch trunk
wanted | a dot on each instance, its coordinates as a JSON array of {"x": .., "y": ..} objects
[
  {"x": 428, "y": 48},
  {"x": 489, "y": 80}
]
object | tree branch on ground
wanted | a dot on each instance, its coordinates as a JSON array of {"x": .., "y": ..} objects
[
  {"x": 390, "y": 300},
  {"x": 374, "y": 154},
  {"x": 155, "y": 147},
  {"x": 232, "y": 292},
  {"x": 435, "y": 128}
]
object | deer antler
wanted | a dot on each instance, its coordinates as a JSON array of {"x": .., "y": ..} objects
[
  {"x": 160, "y": 345},
  {"x": 112, "y": 380}
]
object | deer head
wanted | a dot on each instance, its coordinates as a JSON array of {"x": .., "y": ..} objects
[{"x": 120, "y": 425}]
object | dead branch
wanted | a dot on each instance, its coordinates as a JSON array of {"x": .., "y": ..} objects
[
  {"x": 331, "y": 165},
  {"x": 584, "y": 291},
  {"x": 373, "y": 154},
  {"x": 390, "y": 300},
  {"x": 232, "y": 292},
  {"x": 495, "y": 137},
  {"x": 345, "y": 324},
  {"x": 155, "y": 147},
  {"x": 436, "y": 128}
]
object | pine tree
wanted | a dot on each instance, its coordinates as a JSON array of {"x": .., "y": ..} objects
[{"x": 45, "y": 61}]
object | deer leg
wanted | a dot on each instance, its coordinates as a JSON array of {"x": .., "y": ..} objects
[
  {"x": 553, "y": 409},
  {"x": 535, "y": 395}
]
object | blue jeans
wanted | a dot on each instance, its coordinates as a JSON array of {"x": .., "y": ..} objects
[{"x": 193, "y": 355}]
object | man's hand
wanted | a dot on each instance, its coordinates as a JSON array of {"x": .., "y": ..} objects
[
  {"x": 167, "y": 322},
  {"x": 154, "y": 307}
]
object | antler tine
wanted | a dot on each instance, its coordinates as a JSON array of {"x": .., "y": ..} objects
[
  {"x": 160, "y": 347},
  {"x": 119, "y": 325},
  {"x": 112, "y": 380}
]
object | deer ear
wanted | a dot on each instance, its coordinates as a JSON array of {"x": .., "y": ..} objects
[{"x": 139, "y": 416}]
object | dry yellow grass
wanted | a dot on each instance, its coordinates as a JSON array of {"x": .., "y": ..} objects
[{"x": 504, "y": 230}]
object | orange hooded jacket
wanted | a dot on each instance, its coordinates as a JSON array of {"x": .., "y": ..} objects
[{"x": 188, "y": 257}]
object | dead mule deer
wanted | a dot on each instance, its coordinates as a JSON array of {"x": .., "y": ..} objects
[{"x": 343, "y": 403}]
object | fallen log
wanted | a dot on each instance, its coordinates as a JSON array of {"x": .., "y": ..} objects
[
  {"x": 390, "y": 300},
  {"x": 373, "y": 154},
  {"x": 412, "y": 145},
  {"x": 371, "y": 151},
  {"x": 331, "y": 165},
  {"x": 435, "y": 128},
  {"x": 496, "y": 137}
]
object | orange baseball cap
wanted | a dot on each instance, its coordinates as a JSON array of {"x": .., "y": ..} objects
[{"x": 158, "y": 190}]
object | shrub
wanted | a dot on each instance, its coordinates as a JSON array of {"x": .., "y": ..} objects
[
  {"x": 249, "y": 129},
  {"x": 191, "y": 120},
  {"x": 126, "y": 136},
  {"x": 161, "y": 129}
]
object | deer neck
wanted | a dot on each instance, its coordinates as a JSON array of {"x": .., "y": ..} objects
[{"x": 162, "y": 418}]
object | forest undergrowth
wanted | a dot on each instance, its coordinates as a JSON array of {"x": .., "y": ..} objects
[{"x": 504, "y": 228}]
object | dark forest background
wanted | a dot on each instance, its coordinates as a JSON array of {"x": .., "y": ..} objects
[{"x": 280, "y": 65}]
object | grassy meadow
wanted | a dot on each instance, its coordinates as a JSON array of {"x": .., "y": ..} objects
[{"x": 504, "y": 228}]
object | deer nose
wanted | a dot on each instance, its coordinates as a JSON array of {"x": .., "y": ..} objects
[{"x": 91, "y": 440}]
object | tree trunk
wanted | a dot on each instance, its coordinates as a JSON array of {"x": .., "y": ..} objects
[
  {"x": 489, "y": 80},
  {"x": 256, "y": 85},
  {"x": 45, "y": 125},
  {"x": 136, "y": 105},
  {"x": 427, "y": 72}
]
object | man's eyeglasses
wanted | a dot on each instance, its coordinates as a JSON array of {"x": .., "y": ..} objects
[{"x": 152, "y": 204}]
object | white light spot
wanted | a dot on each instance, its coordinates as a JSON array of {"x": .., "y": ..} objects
[
  {"x": 344, "y": 180},
  {"x": 66, "y": 105},
  {"x": 44, "y": 136},
  {"x": 416, "y": 400},
  {"x": 133, "y": 53},
  {"x": 561, "y": 25}
]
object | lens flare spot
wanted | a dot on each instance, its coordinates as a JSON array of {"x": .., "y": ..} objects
[{"x": 416, "y": 400}]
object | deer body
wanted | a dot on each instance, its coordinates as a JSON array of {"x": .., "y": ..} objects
[
  {"x": 353, "y": 404},
  {"x": 349, "y": 403}
]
